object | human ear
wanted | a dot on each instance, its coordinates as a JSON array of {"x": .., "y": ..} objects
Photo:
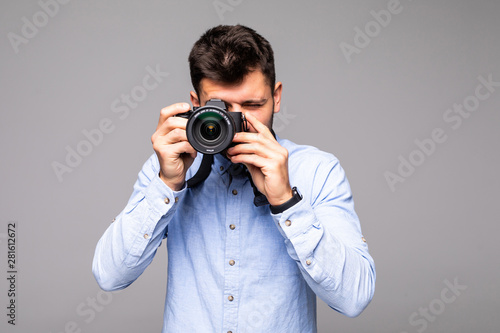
[
  {"x": 278, "y": 88},
  {"x": 194, "y": 99}
]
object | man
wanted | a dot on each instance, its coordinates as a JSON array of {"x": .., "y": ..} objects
[{"x": 236, "y": 265}]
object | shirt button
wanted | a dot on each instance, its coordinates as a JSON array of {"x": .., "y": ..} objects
[
  {"x": 221, "y": 168},
  {"x": 308, "y": 261},
  {"x": 167, "y": 201},
  {"x": 146, "y": 236},
  {"x": 288, "y": 223},
  {"x": 176, "y": 199},
  {"x": 363, "y": 239},
  {"x": 230, "y": 298},
  {"x": 231, "y": 262},
  {"x": 235, "y": 192},
  {"x": 232, "y": 226}
]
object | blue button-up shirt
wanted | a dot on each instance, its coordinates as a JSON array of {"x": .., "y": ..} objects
[{"x": 235, "y": 267}]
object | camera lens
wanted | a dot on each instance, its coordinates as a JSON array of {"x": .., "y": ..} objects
[{"x": 210, "y": 130}]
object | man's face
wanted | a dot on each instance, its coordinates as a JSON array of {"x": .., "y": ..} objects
[{"x": 252, "y": 95}]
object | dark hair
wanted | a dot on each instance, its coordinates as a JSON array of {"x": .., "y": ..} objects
[{"x": 227, "y": 53}]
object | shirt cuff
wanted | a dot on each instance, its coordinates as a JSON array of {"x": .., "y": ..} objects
[
  {"x": 296, "y": 220},
  {"x": 161, "y": 197}
]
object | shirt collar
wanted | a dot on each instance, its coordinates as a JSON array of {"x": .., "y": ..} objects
[{"x": 221, "y": 163}]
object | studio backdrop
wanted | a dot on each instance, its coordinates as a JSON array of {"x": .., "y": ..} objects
[{"x": 406, "y": 93}]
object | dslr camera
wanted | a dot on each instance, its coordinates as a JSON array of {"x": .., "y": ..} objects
[{"x": 210, "y": 129}]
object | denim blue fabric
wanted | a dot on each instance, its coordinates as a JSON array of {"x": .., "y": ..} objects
[{"x": 235, "y": 267}]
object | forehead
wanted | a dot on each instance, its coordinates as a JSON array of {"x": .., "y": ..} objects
[{"x": 253, "y": 86}]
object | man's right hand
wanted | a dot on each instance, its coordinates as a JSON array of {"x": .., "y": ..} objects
[{"x": 170, "y": 143}]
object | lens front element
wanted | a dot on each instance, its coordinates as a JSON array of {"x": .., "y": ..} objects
[{"x": 210, "y": 130}]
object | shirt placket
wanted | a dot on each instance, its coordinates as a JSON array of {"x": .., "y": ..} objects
[{"x": 232, "y": 257}]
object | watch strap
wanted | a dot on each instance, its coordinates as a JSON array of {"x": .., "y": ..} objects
[{"x": 288, "y": 204}]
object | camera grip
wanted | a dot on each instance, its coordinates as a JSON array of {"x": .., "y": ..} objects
[{"x": 186, "y": 114}]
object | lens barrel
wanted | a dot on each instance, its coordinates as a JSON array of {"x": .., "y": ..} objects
[{"x": 210, "y": 129}]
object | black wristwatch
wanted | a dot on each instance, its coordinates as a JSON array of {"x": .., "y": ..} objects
[{"x": 284, "y": 206}]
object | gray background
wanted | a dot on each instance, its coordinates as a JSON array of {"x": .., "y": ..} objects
[{"x": 439, "y": 225}]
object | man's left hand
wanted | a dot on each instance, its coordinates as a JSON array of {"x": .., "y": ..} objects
[{"x": 265, "y": 159}]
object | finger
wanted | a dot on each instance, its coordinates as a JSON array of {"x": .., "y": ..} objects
[
  {"x": 176, "y": 149},
  {"x": 258, "y": 139},
  {"x": 264, "y": 158},
  {"x": 252, "y": 148},
  {"x": 252, "y": 159},
  {"x": 249, "y": 137},
  {"x": 170, "y": 124},
  {"x": 171, "y": 110},
  {"x": 166, "y": 142},
  {"x": 174, "y": 136},
  {"x": 246, "y": 137},
  {"x": 259, "y": 127}
]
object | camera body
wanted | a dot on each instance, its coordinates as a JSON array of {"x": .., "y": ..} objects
[{"x": 210, "y": 129}]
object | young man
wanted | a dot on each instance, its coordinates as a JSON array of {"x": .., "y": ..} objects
[{"x": 235, "y": 265}]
